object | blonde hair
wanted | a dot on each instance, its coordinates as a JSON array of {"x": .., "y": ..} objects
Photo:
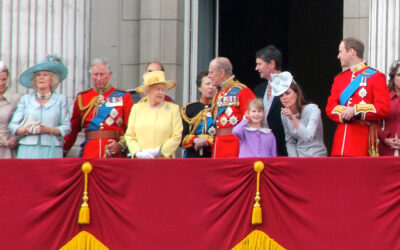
[
  {"x": 257, "y": 103},
  {"x": 55, "y": 80},
  {"x": 3, "y": 68}
]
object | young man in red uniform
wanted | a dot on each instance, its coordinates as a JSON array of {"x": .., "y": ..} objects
[
  {"x": 103, "y": 113},
  {"x": 230, "y": 105},
  {"x": 359, "y": 97}
]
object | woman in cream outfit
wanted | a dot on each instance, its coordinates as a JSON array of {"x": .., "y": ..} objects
[{"x": 8, "y": 103}]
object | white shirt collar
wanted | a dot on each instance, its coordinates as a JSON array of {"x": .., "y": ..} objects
[{"x": 263, "y": 130}]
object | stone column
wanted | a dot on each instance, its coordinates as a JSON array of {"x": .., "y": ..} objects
[
  {"x": 356, "y": 21},
  {"x": 384, "y": 33}
]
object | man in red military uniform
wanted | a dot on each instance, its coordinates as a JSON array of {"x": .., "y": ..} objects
[
  {"x": 230, "y": 105},
  {"x": 103, "y": 112},
  {"x": 359, "y": 97}
]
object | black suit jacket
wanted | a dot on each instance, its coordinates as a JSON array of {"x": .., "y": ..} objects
[{"x": 274, "y": 118}]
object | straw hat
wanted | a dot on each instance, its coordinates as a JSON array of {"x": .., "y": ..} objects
[
  {"x": 280, "y": 83},
  {"x": 52, "y": 64},
  {"x": 154, "y": 77}
]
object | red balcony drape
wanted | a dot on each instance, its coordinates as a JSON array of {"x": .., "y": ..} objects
[{"x": 307, "y": 203}]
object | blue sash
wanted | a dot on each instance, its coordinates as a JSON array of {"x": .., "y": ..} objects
[
  {"x": 102, "y": 113},
  {"x": 199, "y": 129},
  {"x": 354, "y": 85},
  {"x": 233, "y": 92}
]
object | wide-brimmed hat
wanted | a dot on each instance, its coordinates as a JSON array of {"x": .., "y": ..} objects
[
  {"x": 154, "y": 77},
  {"x": 280, "y": 83},
  {"x": 52, "y": 64}
]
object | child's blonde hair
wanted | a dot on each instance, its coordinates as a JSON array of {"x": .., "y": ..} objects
[{"x": 257, "y": 103}]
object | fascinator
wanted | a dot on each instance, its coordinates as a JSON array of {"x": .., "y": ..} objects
[{"x": 280, "y": 83}]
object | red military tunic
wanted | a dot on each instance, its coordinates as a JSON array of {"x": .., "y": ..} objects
[
  {"x": 370, "y": 102},
  {"x": 97, "y": 114},
  {"x": 230, "y": 106}
]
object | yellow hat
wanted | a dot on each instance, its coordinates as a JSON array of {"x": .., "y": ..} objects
[{"x": 154, "y": 77}]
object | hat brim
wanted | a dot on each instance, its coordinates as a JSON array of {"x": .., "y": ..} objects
[
  {"x": 279, "y": 92},
  {"x": 169, "y": 84},
  {"x": 57, "y": 68}
]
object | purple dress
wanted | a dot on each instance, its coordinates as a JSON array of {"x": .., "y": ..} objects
[{"x": 255, "y": 142}]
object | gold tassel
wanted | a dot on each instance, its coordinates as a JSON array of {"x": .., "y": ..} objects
[
  {"x": 256, "y": 217},
  {"x": 84, "y": 240},
  {"x": 84, "y": 212},
  {"x": 258, "y": 240},
  {"x": 373, "y": 139}
]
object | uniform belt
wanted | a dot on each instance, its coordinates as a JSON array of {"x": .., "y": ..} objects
[
  {"x": 224, "y": 131},
  {"x": 103, "y": 134}
]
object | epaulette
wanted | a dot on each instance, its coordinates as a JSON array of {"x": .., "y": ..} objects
[
  {"x": 239, "y": 85},
  {"x": 122, "y": 90},
  {"x": 375, "y": 69},
  {"x": 190, "y": 103},
  {"x": 183, "y": 112}
]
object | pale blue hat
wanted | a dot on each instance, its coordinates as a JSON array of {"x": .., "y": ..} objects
[{"x": 52, "y": 64}]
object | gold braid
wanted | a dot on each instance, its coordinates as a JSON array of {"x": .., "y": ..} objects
[
  {"x": 195, "y": 121},
  {"x": 88, "y": 108}
]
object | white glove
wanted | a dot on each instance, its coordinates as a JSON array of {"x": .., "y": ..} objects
[
  {"x": 155, "y": 152},
  {"x": 200, "y": 143},
  {"x": 35, "y": 128},
  {"x": 143, "y": 155}
]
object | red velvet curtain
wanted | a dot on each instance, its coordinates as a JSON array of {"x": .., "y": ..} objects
[{"x": 307, "y": 203}]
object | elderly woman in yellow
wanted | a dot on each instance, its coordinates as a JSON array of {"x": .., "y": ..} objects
[{"x": 155, "y": 126}]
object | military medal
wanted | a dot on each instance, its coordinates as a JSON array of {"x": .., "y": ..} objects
[
  {"x": 109, "y": 121},
  {"x": 363, "y": 82},
  {"x": 114, "y": 113},
  {"x": 211, "y": 131},
  {"x": 114, "y": 101},
  {"x": 119, "y": 122},
  {"x": 228, "y": 111},
  {"x": 362, "y": 93},
  {"x": 233, "y": 120},
  {"x": 101, "y": 99},
  {"x": 223, "y": 121}
]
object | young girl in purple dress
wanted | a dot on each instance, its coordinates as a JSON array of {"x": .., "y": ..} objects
[{"x": 255, "y": 139}]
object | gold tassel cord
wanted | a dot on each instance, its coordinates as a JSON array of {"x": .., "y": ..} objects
[
  {"x": 258, "y": 240},
  {"x": 84, "y": 241},
  {"x": 256, "y": 217},
  {"x": 84, "y": 212}
]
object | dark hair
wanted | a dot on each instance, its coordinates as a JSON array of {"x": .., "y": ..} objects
[
  {"x": 300, "y": 101},
  {"x": 270, "y": 53},
  {"x": 161, "y": 66},
  {"x": 199, "y": 78},
  {"x": 392, "y": 72},
  {"x": 356, "y": 44}
]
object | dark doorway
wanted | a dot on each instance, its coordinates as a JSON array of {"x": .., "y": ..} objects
[{"x": 307, "y": 33}]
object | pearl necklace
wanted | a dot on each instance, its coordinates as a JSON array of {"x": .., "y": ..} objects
[{"x": 43, "y": 97}]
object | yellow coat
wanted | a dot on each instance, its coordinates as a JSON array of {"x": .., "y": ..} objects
[{"x": 150, "y": 128}]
